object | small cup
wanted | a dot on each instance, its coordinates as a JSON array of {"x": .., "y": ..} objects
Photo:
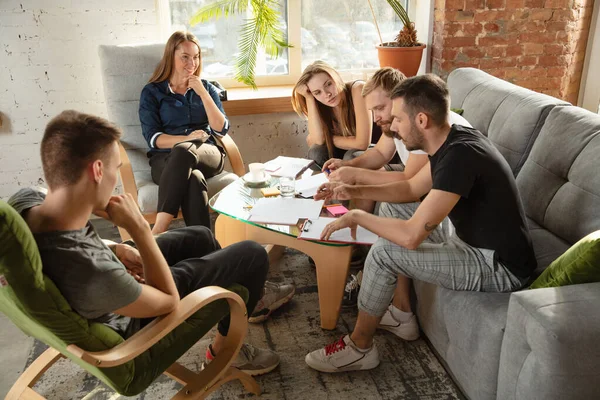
[
  {"x": 257, "y": 171},
  {"x": 287, "y": 186}
]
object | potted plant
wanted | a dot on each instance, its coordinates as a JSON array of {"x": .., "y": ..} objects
[
  {"x": 406, "y": 51},
  {"x": 262, "y": 30}
]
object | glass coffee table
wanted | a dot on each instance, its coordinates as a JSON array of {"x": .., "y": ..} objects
[{"x": 332, "y": 260}]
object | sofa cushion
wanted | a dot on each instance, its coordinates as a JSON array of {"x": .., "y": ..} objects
[
  {"x": 579, "y": 264},
  {"x": 148, "y": 190},
  {"x": 546, "y": 245},
  {"x": 466, "y": 330},
  {"x": 511, "y": 116},
  {"x": 550, "y": 348},
  {"x": 559, "y": 183}
]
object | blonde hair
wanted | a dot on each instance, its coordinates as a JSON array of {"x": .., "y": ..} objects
[
  {"x": 164, "y": 69},
  {"x": 326, "y": 115},
  {"x": 386, "y": 78}
]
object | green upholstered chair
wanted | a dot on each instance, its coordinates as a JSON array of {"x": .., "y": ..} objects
[{"x": 35, "y": 305}]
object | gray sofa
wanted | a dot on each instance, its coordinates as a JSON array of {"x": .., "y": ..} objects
[{"x": 533, "y": 344}]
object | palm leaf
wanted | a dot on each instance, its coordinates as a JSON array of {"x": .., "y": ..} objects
[
  {"x": 218, "y": 9},
  {"x": 263, "y": 29},
  {"x": 400, "y": 11}
]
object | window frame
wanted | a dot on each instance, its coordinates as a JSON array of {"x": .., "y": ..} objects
[{"x": 294, "y": 24}]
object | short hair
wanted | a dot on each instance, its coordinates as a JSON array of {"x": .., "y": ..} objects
[
  {"x": 386, "y": 78},
  {"x": 425, "y": 93},
  {"x": 72, "y": 140}
]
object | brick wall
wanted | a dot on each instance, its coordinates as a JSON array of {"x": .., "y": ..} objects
[{"x": 538, "y": 44}]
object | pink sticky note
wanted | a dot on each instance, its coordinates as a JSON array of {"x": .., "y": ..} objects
[{"x": 336, "y": 211}]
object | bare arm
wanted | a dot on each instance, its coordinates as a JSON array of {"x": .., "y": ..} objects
[
  {"x": 316, "y": 135},
  {"x": 159, "y": 295},
  {"x": 406, "y": 233},
  {"x": 364, "y": 124},
  {"x": 216, "y": 119},
  {"x": 396, "y": 192},
  {"x": 414, "y": 164},
  {"x": 166, "y": 141}
]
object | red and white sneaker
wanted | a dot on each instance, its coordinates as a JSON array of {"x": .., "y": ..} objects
[{"x": 342, "y": 356}]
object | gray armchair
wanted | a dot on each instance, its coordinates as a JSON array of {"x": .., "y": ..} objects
[{"x": 125, "y": 71}]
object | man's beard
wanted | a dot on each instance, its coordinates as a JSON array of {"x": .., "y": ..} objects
[
  {"x": 386, "y": 131},
  {"x": 417, "y": 138}
]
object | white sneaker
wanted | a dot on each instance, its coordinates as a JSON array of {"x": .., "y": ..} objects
[
  {"x": 404, "y": 330},
  {"x": 342, "y": 356},
  {"x": 251, "y": 360}
]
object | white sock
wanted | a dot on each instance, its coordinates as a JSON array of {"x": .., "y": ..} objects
[
  {"x": 358, "y": 348},
  {"x": 399, "y": 315}
]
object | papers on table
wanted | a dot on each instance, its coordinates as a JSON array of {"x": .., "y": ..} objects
[
  {"x": 284, "y": 211},
  {"x": 287, "y": 166},
  {"x": 307, "y": 187},
  {"x": 312, "y": 230}
]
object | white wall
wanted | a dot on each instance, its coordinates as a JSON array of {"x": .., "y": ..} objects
[{"x": 49, "y": 63}]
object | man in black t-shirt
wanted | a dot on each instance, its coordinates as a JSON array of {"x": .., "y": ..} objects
[{"x": 471, "y": 183}]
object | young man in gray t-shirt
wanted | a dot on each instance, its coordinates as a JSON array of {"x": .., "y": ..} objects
[{"x": 126, "y": 287}]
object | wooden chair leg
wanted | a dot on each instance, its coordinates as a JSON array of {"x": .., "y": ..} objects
[{"x": 22, "y": 389}]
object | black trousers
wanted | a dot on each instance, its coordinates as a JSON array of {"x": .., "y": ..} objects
[
  {"x": 197, "y": 260},
  {"x": 181, "y": 178}
]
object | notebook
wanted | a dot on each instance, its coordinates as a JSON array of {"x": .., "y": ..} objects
[
  {"x": 284, "y": 211},
  {"x": 307, "y": 187},
  {"x": 312, "y": 229},
  {"x": 287, "y": 166}
]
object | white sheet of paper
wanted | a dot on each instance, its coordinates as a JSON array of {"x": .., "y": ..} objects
[
  {"x": 284, "y": 211},
  {"x": 290, "y": 166},
  {"x": 307, "y": 187},
  {"x": 315, "y": 228}
]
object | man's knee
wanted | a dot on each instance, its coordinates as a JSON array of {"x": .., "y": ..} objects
[
  {"x": 385, "y": 210},
  {"x": 254, "y": 252},
  {"x": 388, "y": 258}
]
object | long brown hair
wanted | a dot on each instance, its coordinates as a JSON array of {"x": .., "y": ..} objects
[
  {"x": 326, "y": 114},
  {"x": 164, "y": 69}
]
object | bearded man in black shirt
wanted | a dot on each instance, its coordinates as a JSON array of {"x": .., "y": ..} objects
[{"x": 486, "y": 247}]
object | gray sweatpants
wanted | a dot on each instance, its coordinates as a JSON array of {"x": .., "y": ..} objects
[{"x": 442, "y": 259}]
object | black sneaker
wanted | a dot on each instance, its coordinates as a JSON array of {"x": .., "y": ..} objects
[{"x": 351, "y": 290}]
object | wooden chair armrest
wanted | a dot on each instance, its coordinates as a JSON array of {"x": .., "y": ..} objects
[
  {"x": 126, "y": 173},
  {"x": 161, "y": 326},
  {"x": 233, "y": 153}
]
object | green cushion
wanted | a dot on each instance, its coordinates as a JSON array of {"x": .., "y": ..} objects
[
  {"x": 459, "y": 111},
  {"x": 33, "y": 303},
  {"x": 579, "y": 264}
]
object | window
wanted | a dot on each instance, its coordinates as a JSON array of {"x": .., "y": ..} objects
[{"x": 340, "y": 32}]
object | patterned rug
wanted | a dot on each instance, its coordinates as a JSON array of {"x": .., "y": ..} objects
[{"x": 408, "y": 370}]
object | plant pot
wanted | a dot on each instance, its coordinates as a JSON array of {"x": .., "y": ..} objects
[{"x": 405, "y": 59}]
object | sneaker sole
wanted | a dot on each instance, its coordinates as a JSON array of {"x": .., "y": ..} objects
[
  {"x": 344, "y": 369},
  {"x": 391, "y": 330},
  {"x": 274, "y": 306},
  {"x": 257, "y": 372}
]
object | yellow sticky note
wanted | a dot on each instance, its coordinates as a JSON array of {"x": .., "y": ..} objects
[{"x": 270, "y": 192}]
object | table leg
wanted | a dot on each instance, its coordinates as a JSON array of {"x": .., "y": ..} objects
[{"x": 332, "y": 262}]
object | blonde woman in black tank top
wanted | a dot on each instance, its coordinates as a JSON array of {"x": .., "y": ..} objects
[{"x": 339, "y": 123}]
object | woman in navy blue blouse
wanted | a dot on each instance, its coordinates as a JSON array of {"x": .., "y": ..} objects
[{"x": 180, "y": 115}]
